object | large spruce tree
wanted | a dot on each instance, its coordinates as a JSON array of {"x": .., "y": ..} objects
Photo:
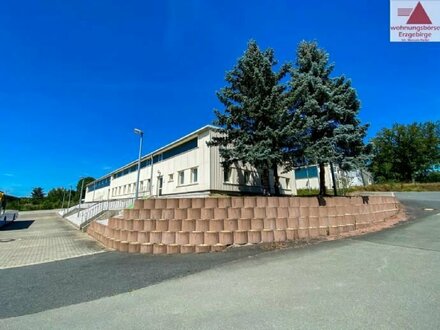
[
  {"x": 325, "y": 111},
  {"x": 252, "y": 126}
]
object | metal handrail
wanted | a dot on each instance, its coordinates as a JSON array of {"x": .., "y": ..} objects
[
  {"x": 96, "y": 209},
  {"x": 75, "y": 207},
  {"x": 82, "y": 217}
]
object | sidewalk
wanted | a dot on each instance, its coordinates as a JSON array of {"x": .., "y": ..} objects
[{"x": 38, "y": 237}]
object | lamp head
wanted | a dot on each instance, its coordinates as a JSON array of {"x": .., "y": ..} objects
[{"x": 138, "y": 131}]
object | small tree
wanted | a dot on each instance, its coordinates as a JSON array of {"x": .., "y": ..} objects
[
  {"x": 37, "y": 194},
  {"x": 81, "y": 184},
  {"x": 252, "y": 126},
  {"x": 56, "y": 196},
  {"x": 324, "y": 110}
]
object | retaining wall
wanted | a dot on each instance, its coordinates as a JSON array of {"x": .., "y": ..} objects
[{"x": 187, "y": 225}]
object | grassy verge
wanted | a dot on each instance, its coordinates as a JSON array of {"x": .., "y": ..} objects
[
  {"x": 307, "y": 192},
  {"x": 392, "y": 186},
  {"x": 399, "y": 187}
]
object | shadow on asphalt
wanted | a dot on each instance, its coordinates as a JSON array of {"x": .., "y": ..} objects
[
  {"x": 35, "y": 288},
  {"x": 17, "y": 225}
]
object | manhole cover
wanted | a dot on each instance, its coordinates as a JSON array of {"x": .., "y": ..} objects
[{"x": 6, "y": 240}]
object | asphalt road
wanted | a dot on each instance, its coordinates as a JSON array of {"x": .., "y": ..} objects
[
  {"x": 46, "y": 286},
  {"x": 382, "y": 280}
]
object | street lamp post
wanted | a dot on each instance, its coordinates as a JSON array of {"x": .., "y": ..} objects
[
  {"x": 141, "y": 136},
  {"x": 80, "y": 195},
  {"x": 64, "y": 197},
  {"x": 70, "y": 193}
]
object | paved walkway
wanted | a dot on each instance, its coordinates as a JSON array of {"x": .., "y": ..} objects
[{"x": 43, "y": 236}]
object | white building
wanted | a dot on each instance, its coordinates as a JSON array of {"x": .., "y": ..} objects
[
  {"x": 308, "y": 177},
  {"x": 184, "y": 167}
]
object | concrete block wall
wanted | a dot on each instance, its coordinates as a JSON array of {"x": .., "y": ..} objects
[{"x": 194, "y": 225}]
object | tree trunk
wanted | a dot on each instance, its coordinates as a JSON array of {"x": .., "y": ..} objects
[
  {"x": 335, "y": 191},
  {"x": 276, "y": 181},
  {"x": 322, "y": 190},
  {"x": 265, "y": 182}
]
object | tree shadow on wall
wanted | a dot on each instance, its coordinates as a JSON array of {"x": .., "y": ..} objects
[{"x": 254, "y": 186}]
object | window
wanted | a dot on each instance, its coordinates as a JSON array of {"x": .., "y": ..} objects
[
  {"x": 184, "y": 147},
  {"x": 125, "y": 189},
  {"x": 226, "y": 174},
  {"x": 170, "y": 177},
  {"x": 99, "y": 184},
  {"x": 287, "y": 183},
  {"x": 119, "y": 190},
  {"x": 141, "y": 186},
  {"x": 148, "y": 184},
  {"x": 306, "y": 172},
  {"x": 194, "y": 175},
  {"x": 181, "y": 177}
]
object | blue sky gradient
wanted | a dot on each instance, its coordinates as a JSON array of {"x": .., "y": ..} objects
[{"x": 77, "y": 76}]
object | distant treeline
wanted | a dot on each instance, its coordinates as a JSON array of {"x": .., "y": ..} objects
[{"x": 56, "y": 198}]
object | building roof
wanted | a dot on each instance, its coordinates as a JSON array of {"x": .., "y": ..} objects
[{"x": 160, "y": 150}]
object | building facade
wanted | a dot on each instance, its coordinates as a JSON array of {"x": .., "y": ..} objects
[{"x": 186, "y": 167}]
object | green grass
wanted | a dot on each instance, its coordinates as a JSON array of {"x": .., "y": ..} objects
[
  {"x": 394, "y": 186},
  {"x": 391, "y": 186},
  {"x": 307, "y": 192}
]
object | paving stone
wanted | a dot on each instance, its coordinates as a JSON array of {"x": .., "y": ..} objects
[{"x": 39, "y": 237}]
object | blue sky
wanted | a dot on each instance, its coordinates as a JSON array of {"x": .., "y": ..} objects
[{"x": 77, "y": 76}]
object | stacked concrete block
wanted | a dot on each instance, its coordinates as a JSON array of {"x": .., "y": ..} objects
[
  {"x": 254, "y": 236},
  {"x": 187, "y": 248},
  {"x": 196, "y": 225}
]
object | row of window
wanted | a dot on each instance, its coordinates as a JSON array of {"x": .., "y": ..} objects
[
  {"x": 144, "y": 186},
  {"x": 132, "y": 168},
  {"x": 131, "y": 188},
  {"x": 184, "y": 147},
  {"x": 99, "y": 184},
  {"x": 190, "y": 176},
  {"x": 193, "y": 176}
]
